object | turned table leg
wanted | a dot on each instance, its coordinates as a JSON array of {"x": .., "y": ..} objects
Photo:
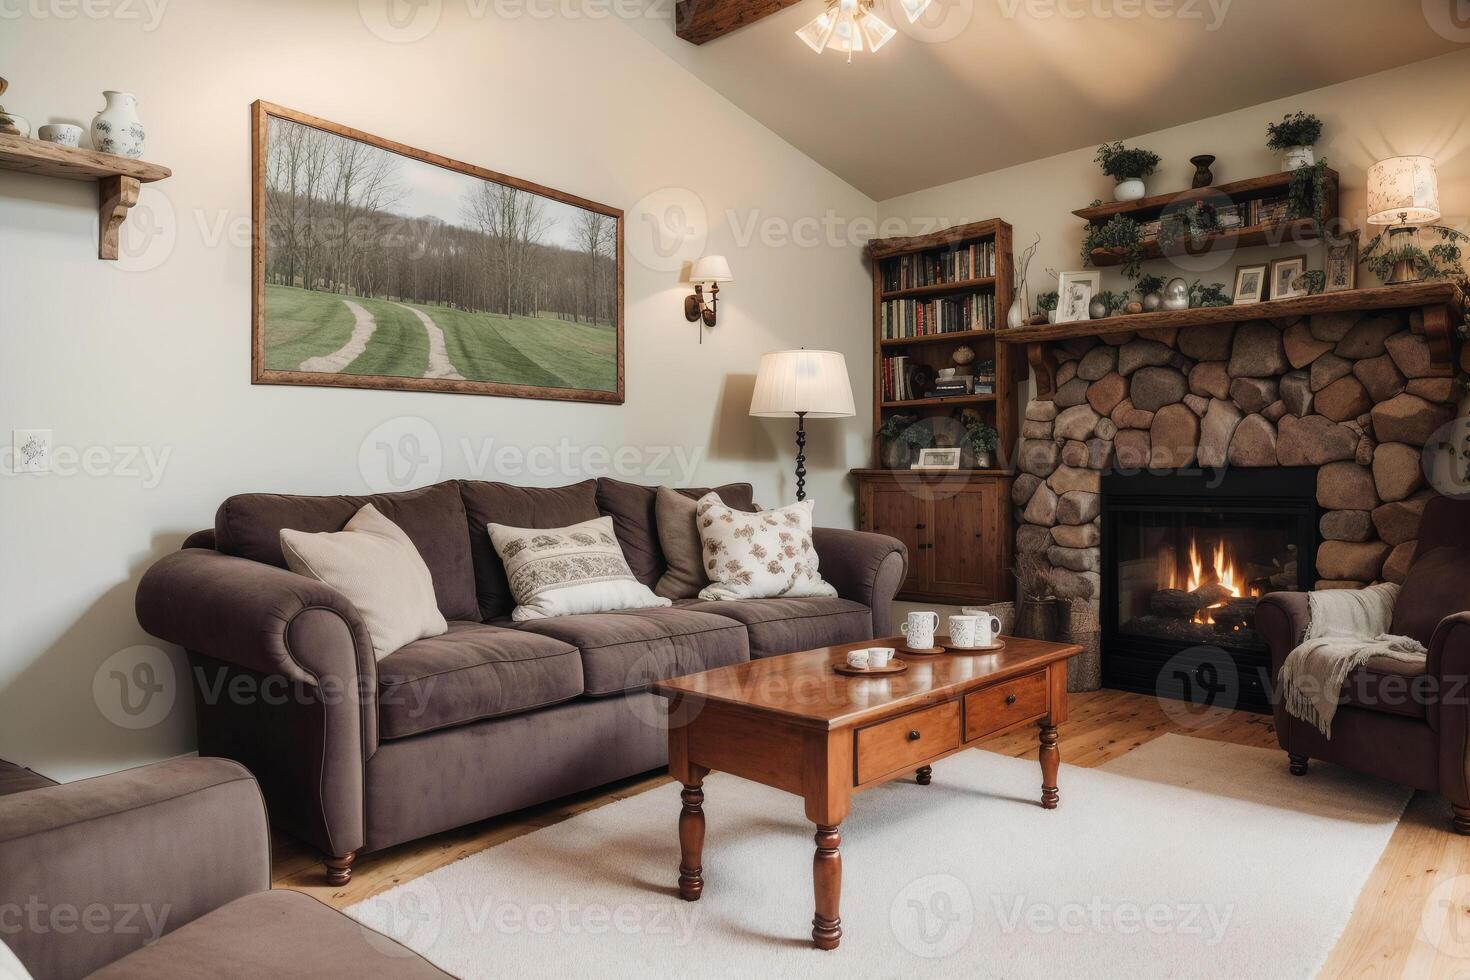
[
  {"x": 691, "y": 843},
  {"x": 827, "y": 884},
  {"x": 924, "y": 775},
  {"x": 1050, "y": 761}
]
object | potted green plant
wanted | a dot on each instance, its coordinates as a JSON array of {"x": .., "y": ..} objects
[
  {"x": 1293, "y": 137},
  {"x": 1313, "y": 282},
  {"x": 979, "y": 442},
  {"x": 1150, "y": 290},
  {"x": 1047, "y": 303},
  {"x": 1121, "y": 235},
  {"x": 900, "y": 438},
  {"x": 1201, "y": 295},
  {"x": 1127, "y": 165}
]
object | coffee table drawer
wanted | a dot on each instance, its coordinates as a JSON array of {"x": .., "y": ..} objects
[
  {"x": 907, "y": 740},
  {"x": 1005, "y": 704}
]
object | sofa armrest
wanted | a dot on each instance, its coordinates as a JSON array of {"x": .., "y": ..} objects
[
  {"x": 1281, "y": 619},
  {"x": 92, "y": 870},
  {"x": 864, "y": 567}
]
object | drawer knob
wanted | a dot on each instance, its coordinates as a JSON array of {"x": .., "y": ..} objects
[
  {"x": 914, "y": 736},
  {"x": 1010, "y": 699}
]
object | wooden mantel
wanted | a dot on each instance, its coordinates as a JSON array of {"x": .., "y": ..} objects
[{"x": 1442, "y": 302}]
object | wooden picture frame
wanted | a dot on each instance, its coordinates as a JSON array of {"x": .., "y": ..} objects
[
  {"x": 526, "y": 349},
  {"x": 1250, "y": 284},
  {"x": 942, "y": 458},
  {"x": 1340, "y": 264},
  {"x": 1284, "y": 272}
]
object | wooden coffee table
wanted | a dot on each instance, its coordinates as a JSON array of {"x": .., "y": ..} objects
[{"x": 793, "y": 723}]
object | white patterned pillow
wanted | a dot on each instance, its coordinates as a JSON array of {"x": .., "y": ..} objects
[
  {"x": 758, "y": 556},
  {"x": 565, "y": 571}
]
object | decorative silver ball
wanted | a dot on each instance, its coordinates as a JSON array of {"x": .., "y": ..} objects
[
  {"x": 1098, "y": 309},
  {"x": 1176, "y": 294},
  {"x": 1152, "y": 302}
]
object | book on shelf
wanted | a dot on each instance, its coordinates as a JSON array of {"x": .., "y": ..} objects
[
  {"x": 962, "y": 264},
  {"x": 901, "y": 318}
]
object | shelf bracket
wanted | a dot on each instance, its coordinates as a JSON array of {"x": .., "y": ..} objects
[
  {"x": 116, "y": 195},
  {"x": 1439, "y": 334},
  {"x": 1044, "y": 364}
]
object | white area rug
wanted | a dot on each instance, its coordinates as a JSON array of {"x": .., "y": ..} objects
[{"x": 1185, "y": 857}]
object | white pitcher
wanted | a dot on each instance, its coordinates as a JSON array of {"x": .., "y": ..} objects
[{"x": 117, "y": 128}]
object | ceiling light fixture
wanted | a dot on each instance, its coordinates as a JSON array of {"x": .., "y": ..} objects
[{"x": 848, "y": 25}]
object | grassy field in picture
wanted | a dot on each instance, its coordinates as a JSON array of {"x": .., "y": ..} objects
[{"x": 545, "y": 351}]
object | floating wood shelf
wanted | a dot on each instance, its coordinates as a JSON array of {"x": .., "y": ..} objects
[
  {"x": 118, "y": 178},
  {"x": 942, "y": 288},
  {"x": 1442, "y": 302},
  {"x": 940, "y": 400},
  {"x": 1286, "y": 233},
  {"x": 887, "y": 248},
  {"x": 957, "y": 336},
  {"x": 1237, "y": 191}
]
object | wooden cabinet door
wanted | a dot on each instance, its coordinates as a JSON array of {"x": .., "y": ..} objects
[
  {"x": 899, "y": 512},
  {"x": 967, "y": 553}
]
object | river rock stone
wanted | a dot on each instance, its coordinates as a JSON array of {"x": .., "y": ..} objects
[
  {"x": 1210, "y": 379},
  {"x": 1125, "y": 416},
  {"x": 1363, "y": 454},
  {"x": 1152, "y": 388},
  {"x": 1078, "y": 507},
  {"x": 1173, "y": 437},
  {"x": 1032, "y": 539},
  {"x": 1346, "y": 525},
  {"x": 1433, "y": 389},
  {"x": 1257, "y": 351},
  {"x": 1131, "y": 449},
  {"x": 1077, "y": 535},
  {"x": 1106, "y": 392},
  {"x": 1077, "y": 422},
  {"x": 1327, "y": 369},
  {"x": 1068, "y": 478},
  {"x": 1077, "y": 559},
  {"x": 1218, "y": 426},
  {"x": 1118, "y": 339},
  {"x": 1397, "y": 472},
  {"x": 1253, "y": 394},
  {"x": 1300, "y": 346},
  {"x": 1106, "y": 429},
  {"x": 1296, "y": 391},
  {"x": 1274, "y": 411},
  {"x": 1066, "y": 371},
  {"x": 1366, "y": 337},
  {"x": 1164, "y": 335},
  {"x": 1359, "y": 561},
  {"x": 1398, "y": 521},
  {"x": 1039, "y": 456},
  {"x": 1411, "y": 354},
  {"x": 1074, "y": 453},
  {"x": 1344, "y": 399},
  {"x": 1097, "y": 362},
  {"x": 1254, "y": 442},
  {"x": 1142, "y": 353},
  {"x": 1072, "y": 393},
  {"x": 1332, "y": 326},
  {"x": 1023, "y": 486},
  {"x": 1038, "y": 410},
  {"x": 1210, "y": 343},
  {"x": 1035, "y": 430},
  {"x": 1196, "y": 404},
  {"x": 1313, "y": 441},
  {"x": 1346, "y": 486},
  {"x": 1396, "y": 565},
  {"x": 1408, "y": 418},
  {"x": 1077, "y": 346},
  {"x": 1042, "y": 508},
  {"x": 1380, "y": 376}
]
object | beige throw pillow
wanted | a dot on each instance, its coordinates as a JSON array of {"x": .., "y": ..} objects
[
  {"x": 375, "y": 565},
  {"x": 758, "y": 556},
  {"x": 566, "y": 571},
  {"x": 678, "y": 539}
]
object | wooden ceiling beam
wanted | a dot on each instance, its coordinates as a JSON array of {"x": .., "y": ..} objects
[{"x": 698, "y": 21}]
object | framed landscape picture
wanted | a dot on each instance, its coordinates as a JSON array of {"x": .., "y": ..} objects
[{"x": 377, "y": 265}]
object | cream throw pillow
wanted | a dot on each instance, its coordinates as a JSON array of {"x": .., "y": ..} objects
[
  {"x": 565, "y": 571},
  {"x": 374, "y": 564},
  {"x": 758, "y": 556}
]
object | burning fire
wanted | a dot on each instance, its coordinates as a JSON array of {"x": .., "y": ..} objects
[{"x": 1221, "y": 571}]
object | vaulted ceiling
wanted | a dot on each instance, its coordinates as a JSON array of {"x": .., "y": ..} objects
[{"x": 979, "y": 85}]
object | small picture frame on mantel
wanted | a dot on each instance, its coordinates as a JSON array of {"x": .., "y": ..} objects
[
  {"x": 1341, "y": 264},
  {"x": 1250, "y": 285},
  {"x": 938, "y": 459}
]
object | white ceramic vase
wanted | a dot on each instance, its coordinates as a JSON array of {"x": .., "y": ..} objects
[
  {"x": 1297, "y": 157},
  {"x": 117, "y": 128},
  {"x": 1016, "y": 315},
  {"x": 1129, "y": 190}
]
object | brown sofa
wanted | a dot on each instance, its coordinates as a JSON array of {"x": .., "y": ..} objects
[
  {"x": 164, "y": 871},
  {"x": 357, "y": 755},
  {"x": 1408, "y": 723}
]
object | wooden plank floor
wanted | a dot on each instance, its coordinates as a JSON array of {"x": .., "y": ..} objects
[{"x": 1423, "y": 876}]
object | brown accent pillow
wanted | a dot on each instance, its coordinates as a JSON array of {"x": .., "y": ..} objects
[
  {"x": 678, "y": 539},
  {"x": 1438, "y": 585}
]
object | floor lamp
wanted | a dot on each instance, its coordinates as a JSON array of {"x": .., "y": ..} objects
[{"x": 802, "y": 384}]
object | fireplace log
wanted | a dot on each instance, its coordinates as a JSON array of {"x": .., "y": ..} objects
[
  {"x": 1210, "y": 593},
  {"x": 1174, "y": 604}
]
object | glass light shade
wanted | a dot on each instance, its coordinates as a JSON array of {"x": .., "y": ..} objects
[
  {"x": 875, "y": 32},
  {"x": 1402, "y": 191},
  {"x": 845, "y": 36},
  {"x": 813, "y": 382},
  {"x": 711, "y": 268},
  {"x": 914, "y": 9},
  {"x": 817, "y": 33}
]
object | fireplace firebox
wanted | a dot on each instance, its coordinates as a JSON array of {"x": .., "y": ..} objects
[{"x": 1185, "y": 558}]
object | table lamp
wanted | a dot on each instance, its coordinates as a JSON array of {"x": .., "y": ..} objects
[
  {"x": 802, "y": 384},
  {"x": 1403, "y": 192}
]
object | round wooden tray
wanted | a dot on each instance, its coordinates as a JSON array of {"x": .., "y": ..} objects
[
  {"x": 895, "y": 666},
  {"x": 943, "y": 640},
  {"x": 919, "y": 651}
]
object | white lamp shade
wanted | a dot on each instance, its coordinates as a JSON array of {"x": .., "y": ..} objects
[
  {"x": 711, "y": 268},
  {"x": 818, "y": 32},
  {"x": 809, "y": 382},
  {"x": 1403, "y": 191},
  {"x": 914, "y": 9}
]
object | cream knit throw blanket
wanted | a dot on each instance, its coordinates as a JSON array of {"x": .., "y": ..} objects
[{"x": 1346, "y": 628}]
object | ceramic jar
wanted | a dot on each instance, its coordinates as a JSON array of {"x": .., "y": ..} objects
[
  {"x": 1176, "y": 295},
  {"x": 1128, "y": 190},
  {"x": 1297, "y": 157},
  {"x": 117, "y": 128},
  {"x": 62, "y": 134}
]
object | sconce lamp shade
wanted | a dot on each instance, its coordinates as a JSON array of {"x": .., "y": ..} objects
[
  {"x": 1403, "y": 191},
  {"x": 813, "y": 383},
  {"x": 711, "y": 268}
]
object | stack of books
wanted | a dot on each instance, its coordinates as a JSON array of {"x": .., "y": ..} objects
[
  {"x": 920, "y": 318},
  {"x": 895, "y": 379},
  {"x": 975, "y": 261},
  {"x": 1268, "y": 211}
]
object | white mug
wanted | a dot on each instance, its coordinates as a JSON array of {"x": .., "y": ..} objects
[
  {"x": 987, "y": 629},
  {"x": 919, "y": 628},
  {"x": 878, "y": 657},
  {"x": 858, "y": 658},
  {"x": 962, "y": 630},
  {"x": 62, "y": 134}
]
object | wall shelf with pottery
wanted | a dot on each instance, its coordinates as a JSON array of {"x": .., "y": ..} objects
[{"x": 118, "y": 178}]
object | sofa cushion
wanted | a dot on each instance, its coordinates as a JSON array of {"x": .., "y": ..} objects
[
  {"x": 1438, "y": 585},
  {"x": 632, "y": 509},
  {"x": 473, "y": 671},
  {"x": 629, "y": 649},
  {"x": 278, "y": 933},
  {"x": 778, "y": 626},
  {"x": 1389, "y": 686},
  {"x": 500, "y": 503},
  {"x": 249, "y": 525}
]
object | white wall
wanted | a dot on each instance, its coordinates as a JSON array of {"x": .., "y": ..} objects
[
  {"x": 152, "y": 352},
  {"x": 1419, "y": 108}
]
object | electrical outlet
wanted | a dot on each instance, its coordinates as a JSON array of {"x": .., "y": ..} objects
[{"x": 32, "y": 450}]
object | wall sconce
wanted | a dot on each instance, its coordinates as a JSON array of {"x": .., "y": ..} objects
[{"x": 709, "y": 271}]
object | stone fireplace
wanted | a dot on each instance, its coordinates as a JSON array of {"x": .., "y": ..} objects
[{"x": 1351, "y": 397}]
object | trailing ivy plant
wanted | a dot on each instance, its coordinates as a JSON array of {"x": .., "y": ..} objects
[
  {"x": 1313, "y": 282},
  {"x": 1191, "y": 225},
  {"x": 1148, "y": 284},
  {"x": 1126, "y": 163},
  {"x": 906, "y": 430},
  {"x": 1306, "y": 195},
  {"x": 1047, "y": 301},
  {"x": 1442, "y": 260},
  {"x": 1121, "y": 233},
  {"x": 1296, "y": 129},
  {"x": 981, "y": 437},
  {"x": 1212, "y": 295}
]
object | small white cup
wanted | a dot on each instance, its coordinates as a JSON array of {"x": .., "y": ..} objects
[
  {"x": 987, "y": 627},
  {"x": 963, "y": 629},
  {"x": 858, "y": 658},
  {"x": 878, "y": 657},
  {"x": 919, "y": 628},
  {"x": 62, "y": 134}
]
